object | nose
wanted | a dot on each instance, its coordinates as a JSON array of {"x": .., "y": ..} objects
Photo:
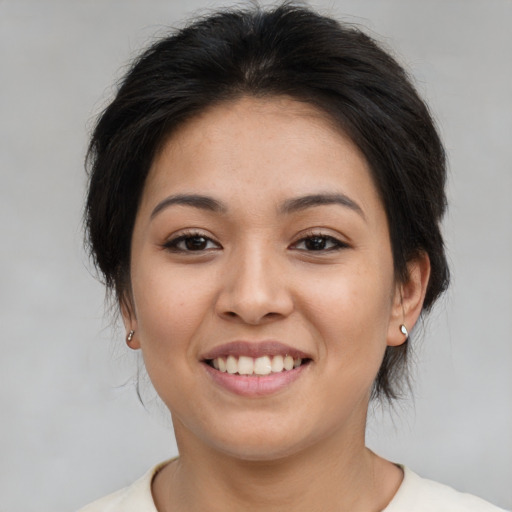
[{"x": 254, "y": 288}]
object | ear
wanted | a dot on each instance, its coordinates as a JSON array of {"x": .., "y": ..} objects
[
  {"x": 129, "y": 319},
  {"x": 408, "y": 299}
]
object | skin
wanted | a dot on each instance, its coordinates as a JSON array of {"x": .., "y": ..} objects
[{"x": 256, "y": 277}]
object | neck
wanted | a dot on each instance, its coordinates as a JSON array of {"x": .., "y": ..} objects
[{"x": 331, "y": 476}]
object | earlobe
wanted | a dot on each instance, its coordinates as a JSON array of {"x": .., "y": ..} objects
[
  {"x": 130, "y": 322},
  {"x": 408, "y": 300},
  {"x": 404, "y": 331}
]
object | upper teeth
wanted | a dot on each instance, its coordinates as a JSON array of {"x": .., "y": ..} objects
[{"x": 245, "y": 365}]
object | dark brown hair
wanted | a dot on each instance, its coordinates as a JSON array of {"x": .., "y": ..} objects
[{"x": 287, "y": 50}]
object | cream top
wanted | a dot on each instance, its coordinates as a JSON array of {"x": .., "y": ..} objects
[{"x": 415, "y": 494}]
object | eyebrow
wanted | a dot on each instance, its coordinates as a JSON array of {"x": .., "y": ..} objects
[
  {"x": 302, "y": 203},
  {"x": 194, "y": 200},
  {"x": 294, "y": 205}
]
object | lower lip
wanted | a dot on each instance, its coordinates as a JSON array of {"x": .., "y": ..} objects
[{"x": 255, "y": 386}]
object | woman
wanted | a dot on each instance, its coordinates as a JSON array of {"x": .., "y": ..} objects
[{"x": 265, "y": 200}]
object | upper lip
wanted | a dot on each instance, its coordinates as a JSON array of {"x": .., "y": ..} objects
[{"x": 254, "y": 349}]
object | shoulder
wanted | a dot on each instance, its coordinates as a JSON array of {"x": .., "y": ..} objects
[
  {"x": 423, "y": 495},
  {"x": 134, "y": 498}
]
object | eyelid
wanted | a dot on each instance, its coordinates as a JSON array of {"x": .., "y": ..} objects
[
  {"x": 340, "y": 244},
  {"x": 171, "y": 243}
]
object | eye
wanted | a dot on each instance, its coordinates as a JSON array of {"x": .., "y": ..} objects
[
  {"x": 191, "y": 242},
  {"x": 319, "y": 242}
]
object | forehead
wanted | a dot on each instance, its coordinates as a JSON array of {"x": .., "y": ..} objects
[{"x": 268, "y": 148}]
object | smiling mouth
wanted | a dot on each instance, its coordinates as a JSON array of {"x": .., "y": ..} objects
[{"x": 256, "y": 366}]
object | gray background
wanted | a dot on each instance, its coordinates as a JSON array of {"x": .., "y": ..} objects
[{"x": 71, "y": 426}]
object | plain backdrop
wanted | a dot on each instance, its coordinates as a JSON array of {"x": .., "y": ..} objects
[{"x": 71, "y": 426}]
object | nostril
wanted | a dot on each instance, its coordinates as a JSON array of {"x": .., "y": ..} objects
[{"x": 271, "y": 315}]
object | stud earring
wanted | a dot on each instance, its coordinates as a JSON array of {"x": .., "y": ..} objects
[
  {"x": 129, "y": 336},
  {"x": 404, "y": 330}
]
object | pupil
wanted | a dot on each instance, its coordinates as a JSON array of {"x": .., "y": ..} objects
[
  {"x": 316, "y": 243},
  {"x": 196, "y": 243}
]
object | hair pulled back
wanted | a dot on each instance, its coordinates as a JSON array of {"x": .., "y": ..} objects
[{"x": 288, "y": 50}]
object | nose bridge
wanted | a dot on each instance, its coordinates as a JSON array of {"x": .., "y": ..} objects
[{"x": 255, "y": 288}]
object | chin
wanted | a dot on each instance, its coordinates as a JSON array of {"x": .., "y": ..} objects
[
  {"x": 263, "y": 442},
  {"x": 260, "y": 451}
]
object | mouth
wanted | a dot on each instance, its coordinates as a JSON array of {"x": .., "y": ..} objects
[
  {"x": 255, "y": 359},
  {"x": 256, "y": 366}
]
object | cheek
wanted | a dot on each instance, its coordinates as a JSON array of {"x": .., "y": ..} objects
[
  {"x": 170, "y": 306},
  {"x": 351, "y": 309},
  {"x": 171, "y": 309}
]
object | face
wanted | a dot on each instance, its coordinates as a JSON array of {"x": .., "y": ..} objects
[{"x": 263, "y": 292}]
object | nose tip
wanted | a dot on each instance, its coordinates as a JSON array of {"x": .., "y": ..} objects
[{"x": 254, "y": 292}]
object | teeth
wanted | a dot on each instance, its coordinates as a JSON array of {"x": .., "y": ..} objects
[
  {"x": 245, "y": 365},
  {"x": 231, "y": 365},
  {"x": 288, "y": 363},
  {"x": 264, "y": 365},
  {"x": 277, "y": 364}
]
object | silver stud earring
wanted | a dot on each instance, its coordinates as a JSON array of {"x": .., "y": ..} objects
[
  {"x": 404, "y": 330},
  {"x": 129, "y": 336}
]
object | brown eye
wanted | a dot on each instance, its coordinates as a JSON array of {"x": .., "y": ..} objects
[
  {"x": 196, "y": 243},
  {"x": 319, "y": 243},
  {"x": 316, "y": 243},
  {"x": 191, "y": 243}
]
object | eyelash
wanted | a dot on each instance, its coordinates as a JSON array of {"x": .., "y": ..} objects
[
  {"x": 337, "y": 244},
  {"x": 173, "y": 244}
]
